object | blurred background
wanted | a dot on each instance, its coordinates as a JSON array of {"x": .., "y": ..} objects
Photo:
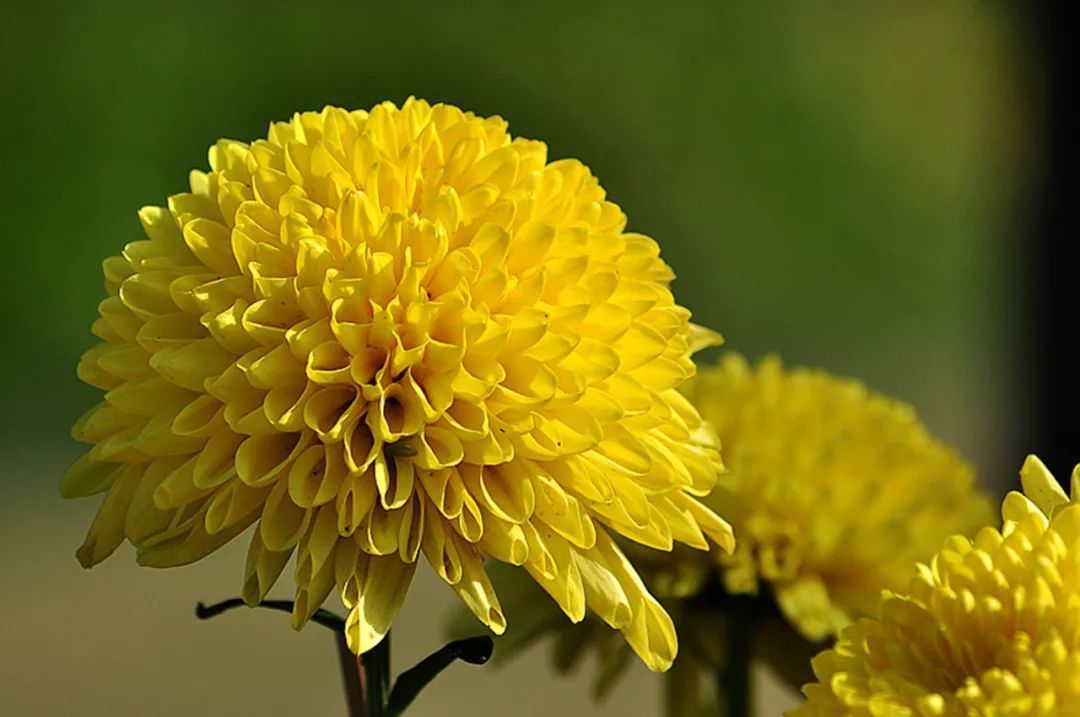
[{"x": 864, "y": 187}]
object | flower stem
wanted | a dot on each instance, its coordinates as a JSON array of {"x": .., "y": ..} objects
[
  {"x": 682, "y": 693},
  {"x": 733, "y": 676},
  {"x": 376, "y": 664},
  {"x": 366, "y": 678},
  {"x": 321, "y": 617},
  {"x": 352, "y": 678}
]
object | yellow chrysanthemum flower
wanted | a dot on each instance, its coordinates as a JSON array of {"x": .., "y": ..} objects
[
  {"x": 834, "y": 492},
  {"x": 379, "y": 334},
  {"x": 990, "y": 627}
]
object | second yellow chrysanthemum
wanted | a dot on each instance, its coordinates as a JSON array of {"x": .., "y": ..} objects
[
  {"x": 834, "y": 492},
  {"x": 380, "y": 334}
]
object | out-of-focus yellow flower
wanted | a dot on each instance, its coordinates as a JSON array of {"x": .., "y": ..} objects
[
  {"x": 990, "y": 627},
  {"x": 380, "y": 334},
  {"x": 834, "y": 492}
]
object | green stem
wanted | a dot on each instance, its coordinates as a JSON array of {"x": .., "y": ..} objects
[
  {"x": 321, "y": 617},
  {"x": 366, "y": 678},
  {"x": 682, "y": 694},
  {"x": 376, "y": 678},
  {"x": 733, "y": 676},
  {"x": 352, "y": 678}
]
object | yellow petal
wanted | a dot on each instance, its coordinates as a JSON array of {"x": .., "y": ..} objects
[
  {"x": 107, "y": 531},
  {"x": 283, "y": 521},
  {"x": 476, "y": 591},
  {"x": 262, "y": 570},
  {"x": 88, "y": 477},
  {"x": 559, "y": 574},
  {"x": 1040, "y": 485},
  {"x": 382, "y": 592}
]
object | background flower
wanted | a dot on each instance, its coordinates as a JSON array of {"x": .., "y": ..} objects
[
  {"x": 382, "y": 334},
  {"x": 834, "y": 491},
  {"x": 988, "y": 627}
]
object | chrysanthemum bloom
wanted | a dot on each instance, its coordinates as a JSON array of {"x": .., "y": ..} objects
[
  {"x": 380, "y": 334},
  {"x": 990, "y": 627},
  {"x": 834, "y": 492}
]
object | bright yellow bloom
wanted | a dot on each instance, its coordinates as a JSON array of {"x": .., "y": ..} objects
[
  {"x": 379, "y": 334},
  {"x": 991, "y": 627},
  {"x": 834, "y": 492}
]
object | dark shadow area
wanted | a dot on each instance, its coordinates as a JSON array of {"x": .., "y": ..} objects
[{"x": 1056, "y": 286}]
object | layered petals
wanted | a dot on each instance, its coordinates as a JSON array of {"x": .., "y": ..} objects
[
  {"x": 988, "y": 627},
  {"x": 382, "y": 334}
]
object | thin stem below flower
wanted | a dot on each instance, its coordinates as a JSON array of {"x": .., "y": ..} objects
[
  {"x": 321, "y": 617},
  {"x": 733, "y": 675},
  {"x": 682, "y": 689},
  {"x": 352, "y": 676},
  {"x": 367, "y": 677},
  {"x": 375, "y": 668},
  {"x": 473, "y": 650}
]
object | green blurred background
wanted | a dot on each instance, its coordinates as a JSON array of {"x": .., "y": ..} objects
[{"x": 847, "y": 184}]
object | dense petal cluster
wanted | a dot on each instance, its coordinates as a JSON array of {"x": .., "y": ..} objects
[
  {"x": 990, "y": 627},
  {"x": 834, "y": 492},
  {"x": 391, "y": 333}
]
